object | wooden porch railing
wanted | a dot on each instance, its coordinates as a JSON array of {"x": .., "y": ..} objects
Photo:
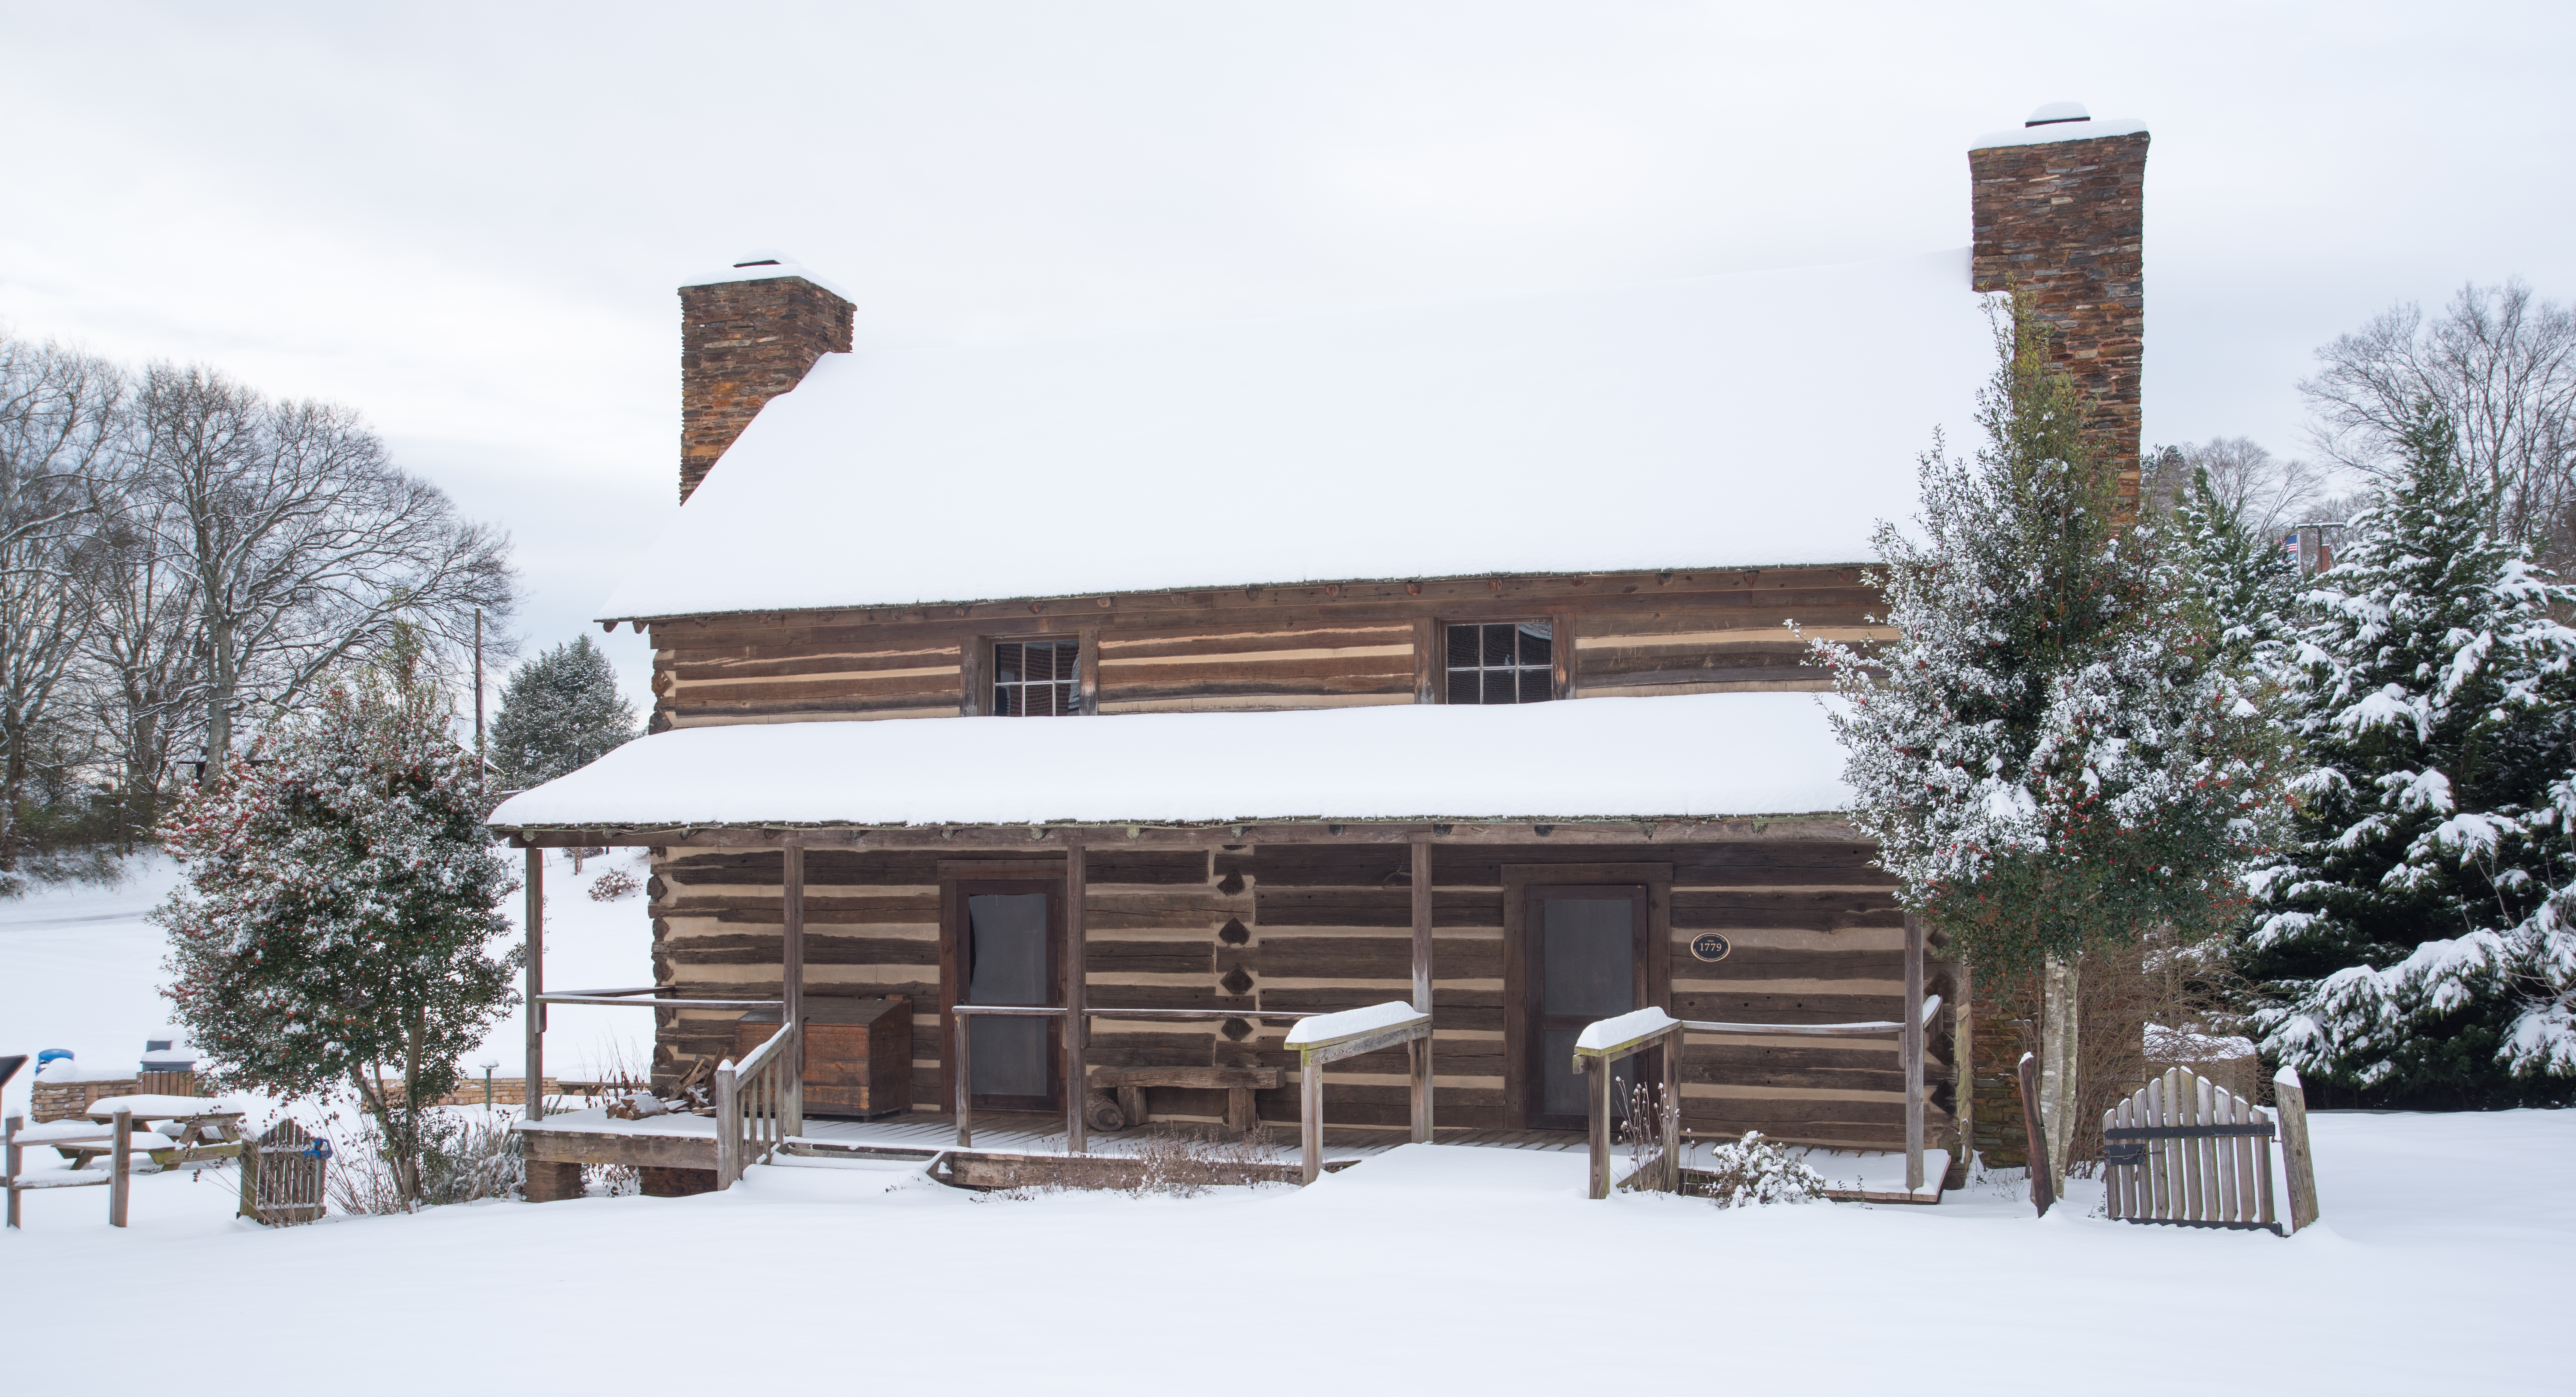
[
  {"x": 1329, "y": 1038},
  {"x": 1605, "y": 1045},
  {"x": 1607, "y": 1041},
  {"x": 760, "y": 1103}
]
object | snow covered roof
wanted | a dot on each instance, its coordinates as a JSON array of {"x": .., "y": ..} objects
[
  {"x": 1760, "y": 419},
  {"x": 1681, "y": 757}
]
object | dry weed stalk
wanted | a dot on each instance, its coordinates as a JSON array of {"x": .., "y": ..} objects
[{"x": 1183, "y": 1161}]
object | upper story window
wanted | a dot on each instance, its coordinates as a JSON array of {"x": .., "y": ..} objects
[
  {"x": 1035, "y": 678},
  {"x": 1502, "y": 662}
]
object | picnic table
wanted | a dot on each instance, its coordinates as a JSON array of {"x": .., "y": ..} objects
[{"x": 184, "y": 1130}]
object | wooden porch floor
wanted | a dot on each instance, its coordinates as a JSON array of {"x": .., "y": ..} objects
[{"x": 689, "y": 1141}]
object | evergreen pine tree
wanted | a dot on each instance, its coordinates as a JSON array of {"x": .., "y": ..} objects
[
  {"x": 341, "y": 899},
  {"x": 559, "y": 712},
  {"x": 2056, "y": 751},
  {"x": 2416, "y": 932},
  {"x": 2246, "y": 586}
]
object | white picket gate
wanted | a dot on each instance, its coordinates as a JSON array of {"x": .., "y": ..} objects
[{"x": 2186, "y": 1152}]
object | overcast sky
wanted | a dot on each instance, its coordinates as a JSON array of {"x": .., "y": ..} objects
[{"x": 468, "y": 222}]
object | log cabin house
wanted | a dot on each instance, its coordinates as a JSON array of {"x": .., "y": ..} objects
[{"x": 1437, "y": 654}]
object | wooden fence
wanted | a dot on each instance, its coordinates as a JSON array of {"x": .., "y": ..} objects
[{"x": 2186, "y": 1152}]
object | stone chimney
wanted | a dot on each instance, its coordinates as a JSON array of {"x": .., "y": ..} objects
[
  {"x": 745, "y": 339},
  {"x": 2060, "y": 214}
]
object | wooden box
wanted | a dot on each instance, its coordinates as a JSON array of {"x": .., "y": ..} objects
[{"x": 858, "y": 1054}]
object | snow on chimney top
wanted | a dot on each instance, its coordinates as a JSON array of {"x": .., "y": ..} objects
[{"x": 2052, "y": 113}]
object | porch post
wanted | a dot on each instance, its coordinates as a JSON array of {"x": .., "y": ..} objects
[
  {"x": 1672, "y": 1112},
  {"x": 1310, "y": 1118},
  {"x": 1077, "y": 1023},
  {"x": 1909, "y": 1049},
  {"x": 1597, "y": 1085},
  {"x": 1421, "y": 1056},
  {"x": 791, "y": 1106},
  {"x": 536, "y": 928},
  {"x": 965, "y": 1073}
]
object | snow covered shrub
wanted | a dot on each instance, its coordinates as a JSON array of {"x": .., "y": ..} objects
[
  {"x": 2418, "y": 936},
  {"x": 336, "y": 924},
  {"x": 464, "y": 1157},
  {"x": 613, "y": 884},
  {"x": 1754, "y": 1171}
]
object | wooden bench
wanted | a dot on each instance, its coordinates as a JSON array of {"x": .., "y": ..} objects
[{"x": 1238, "y": 1083}]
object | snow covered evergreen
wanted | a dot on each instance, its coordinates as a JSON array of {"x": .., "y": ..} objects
[
  {"x": 340, "y": 905},
  {"x": 2419, "y": 928},
  {"x": 2246, "y": 585},
  {"x": 2056, "y": 747},
  {"x": 559, "y": 713},
  {"x": 2059, "y": 749}
]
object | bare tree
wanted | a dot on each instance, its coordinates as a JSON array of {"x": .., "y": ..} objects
[
  {"x": 2264, "y": 492},
  {"x": 145, "y": 662},
  {"x": 61, "y": 433},
  {"x": 303, "y": 545},
  {"x": 2501, "y": 365}
]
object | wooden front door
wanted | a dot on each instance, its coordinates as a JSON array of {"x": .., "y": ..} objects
[
  {"x": 1005, "y": 939},
  {"x": 1584, "y": 958}
]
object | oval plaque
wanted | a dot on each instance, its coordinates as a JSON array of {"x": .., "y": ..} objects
[{"x": 1708, "y": 945}]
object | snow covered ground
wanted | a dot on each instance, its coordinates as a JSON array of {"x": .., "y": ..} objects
[
  {"x": 80, "y": 969},
  {"x": 2440, "y": 1268}
]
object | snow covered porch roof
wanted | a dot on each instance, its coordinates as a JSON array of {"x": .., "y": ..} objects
[{"x": 1677, "y": 758}]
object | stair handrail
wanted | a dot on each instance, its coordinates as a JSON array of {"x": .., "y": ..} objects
[{"x": 759, "y": 1103}]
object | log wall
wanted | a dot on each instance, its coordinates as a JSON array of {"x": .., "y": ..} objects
[
  {"x": 1323, "y": 645},
  {"x": 1816, "y": 935}
]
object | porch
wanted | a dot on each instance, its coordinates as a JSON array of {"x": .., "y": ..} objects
[{"x": 1028, "y": 1148}]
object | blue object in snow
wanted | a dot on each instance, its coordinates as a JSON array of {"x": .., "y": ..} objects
[
  {"x": 319, "y": 1149},
  {"x": 46, "y": 1055}
]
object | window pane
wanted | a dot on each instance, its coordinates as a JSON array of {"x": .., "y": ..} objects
[
  {"x": 1502, "y": 662},
  {"x": 1538, "y": 646},
  {"x": 1462, "y": 646},
  {"x": 1588, "y": 945},
  {"x": 1006, "y": 663}
]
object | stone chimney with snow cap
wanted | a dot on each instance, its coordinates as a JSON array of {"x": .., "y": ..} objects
[
  {"x": 745, "y": 338},
  {"x": 2060, "y": 214}
]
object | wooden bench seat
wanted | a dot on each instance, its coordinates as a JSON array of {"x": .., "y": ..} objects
[{"x": 1238, "y": 1083}]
